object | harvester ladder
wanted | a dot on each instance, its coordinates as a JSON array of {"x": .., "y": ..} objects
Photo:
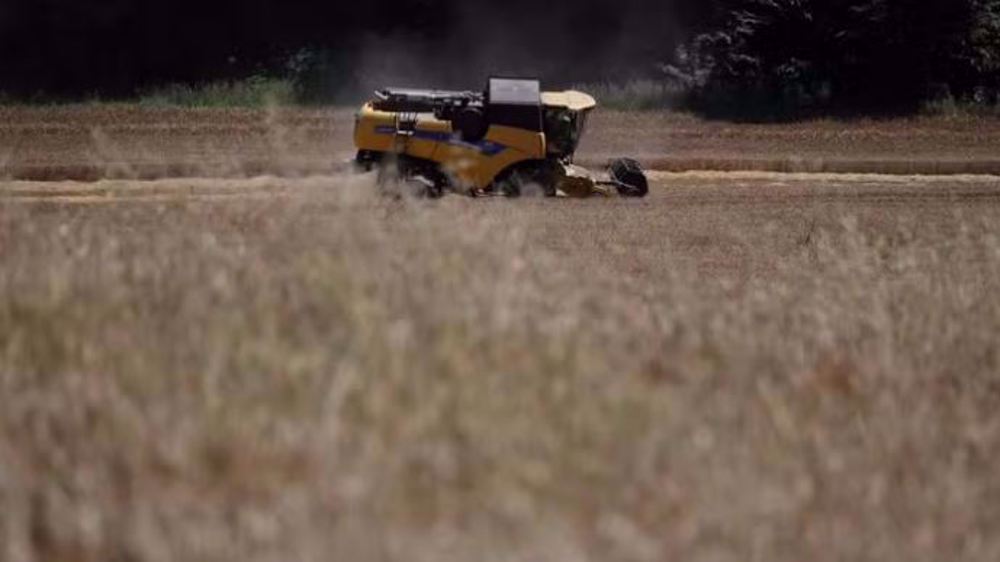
[{"x": 405, "y": 126}]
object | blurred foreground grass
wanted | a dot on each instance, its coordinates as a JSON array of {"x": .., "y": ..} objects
[{"x": 336, "y": 377}]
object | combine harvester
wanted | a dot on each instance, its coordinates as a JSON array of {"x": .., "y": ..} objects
[{"x": 512, "y": 139}]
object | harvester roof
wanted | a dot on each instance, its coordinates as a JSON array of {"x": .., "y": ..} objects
[
  {"x": 570, "y": 99},
  {"x": 515, "y": 91}
]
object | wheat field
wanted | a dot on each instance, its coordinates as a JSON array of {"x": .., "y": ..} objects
[{"x": 740, "y": 367}]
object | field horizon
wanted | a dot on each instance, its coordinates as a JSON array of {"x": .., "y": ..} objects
[{"x": 88, "y": 143}]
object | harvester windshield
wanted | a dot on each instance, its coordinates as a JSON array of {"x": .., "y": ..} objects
[
  {"x": 563, "y": 130},
  {"x": 565, "y": 115}
]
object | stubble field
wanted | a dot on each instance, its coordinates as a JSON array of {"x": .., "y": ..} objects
[
  {"x": 130, "y": 142},
  {"x": 747, "y": 366}
]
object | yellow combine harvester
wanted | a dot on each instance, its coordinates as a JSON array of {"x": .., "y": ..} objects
[{"x": 509, "y": 140}]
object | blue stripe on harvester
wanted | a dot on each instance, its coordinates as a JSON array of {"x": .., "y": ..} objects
[{"x": 487, "y": 147}]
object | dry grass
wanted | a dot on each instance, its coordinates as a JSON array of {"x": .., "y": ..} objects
[
  {"x": 757, "y": 371},
  {"x": 131, "y": 142}
]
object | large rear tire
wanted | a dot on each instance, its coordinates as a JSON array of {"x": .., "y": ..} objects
[
  {"x": 399, "y": 175},
  {"x": 367, "y": 160},
  {"x": 535, "y": 178}
]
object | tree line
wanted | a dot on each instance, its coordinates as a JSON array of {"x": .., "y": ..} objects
[
  {"x": 843, "y": 54},
  {"x": 787, "y": 55}
]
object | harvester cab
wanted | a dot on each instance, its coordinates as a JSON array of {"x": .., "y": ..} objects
[{"x": 506, "y": 140}]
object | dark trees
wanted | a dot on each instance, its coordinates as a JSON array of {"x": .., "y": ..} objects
[{"x": 858, "y": 54}]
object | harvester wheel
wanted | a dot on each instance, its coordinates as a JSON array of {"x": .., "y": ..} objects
[
  {"x": 629, "y": 177},
  {"x": 537, "y": 178},
  {"x": 366, "y": 160},
  {"x": 399, "y": 175}
]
